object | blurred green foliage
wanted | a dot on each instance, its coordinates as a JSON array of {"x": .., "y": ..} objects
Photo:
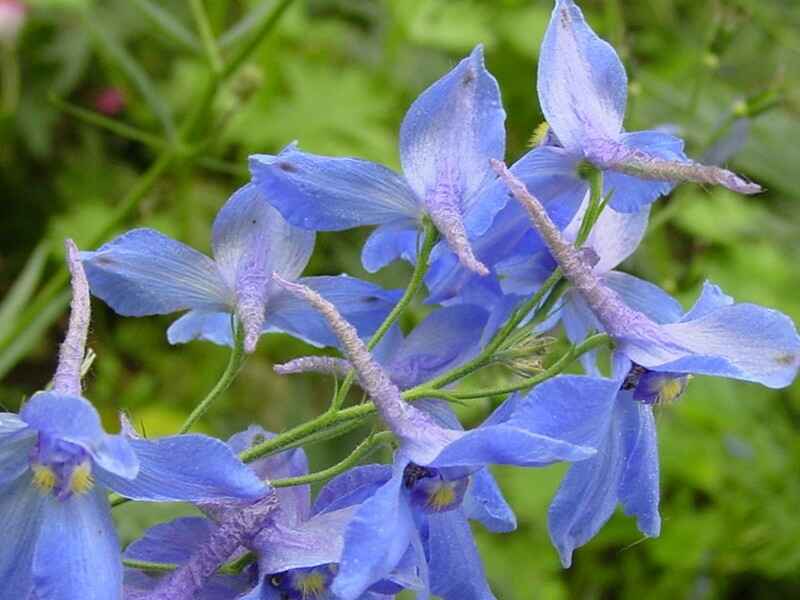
[{"x": 338, "y": 75}]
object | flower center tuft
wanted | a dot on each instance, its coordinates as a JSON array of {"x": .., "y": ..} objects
[
  {"x": 650, "y": 387},
  {"x": 61, "y": 468}
]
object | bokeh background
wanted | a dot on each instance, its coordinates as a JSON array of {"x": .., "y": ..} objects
[{"x": 338, "y": 75}]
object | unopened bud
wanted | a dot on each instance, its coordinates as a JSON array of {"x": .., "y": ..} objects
[
  {"x": 247, "y": 82},
  {"x": 524, "y": 352},
  {"x": 109, "y": 101}
]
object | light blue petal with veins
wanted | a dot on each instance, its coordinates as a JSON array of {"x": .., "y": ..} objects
[
  {"x": 452, "y": 129},
  {"x": 330, "y": 194},
  {"x": 581, "y": 82},
  {"x": 455, "y": 566},
  {"x": 389, "y": 242},
  {"x": 247, "y": 224},
  {"x": 170, "y": 471},
  {"x": 77, "y": 553},
  {"x": 365, "y": 305},
  {"x": 143, "y": 272}
]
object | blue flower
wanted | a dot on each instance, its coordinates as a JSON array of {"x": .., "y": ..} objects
[
  {"x": 446, "y": 140},
  {"x": 143, "y": 272},
  {"x": 57, "y": 466},
  {"x": 422, "y": 503},
  {"x": 657, "y": 346},
  {"x": 582, "y": 89},
  {"x": 299, "y": 549},
  {"x": 604, "y": 415}
]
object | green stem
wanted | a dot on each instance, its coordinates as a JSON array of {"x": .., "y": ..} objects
[
  {"x": 146, "y": 565},
  {"x": 262, "y": 31},
  {"x": 233, "y": 567},
  {"x": 116, "y": 127},
  {"x": 429, "y": 237},
  {"x": 235, "y": 363},
  {"x": 594, "y": 208},
  {"x": 556, "y": 368},
  {"x": 207, "y": 35},
  {"x": 329, "y": 424},
  {"x": 486, "y": 354},
  {"x": 362, "y": 450}
]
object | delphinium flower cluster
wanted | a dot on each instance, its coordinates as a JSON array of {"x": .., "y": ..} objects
[{"x": 508, "y": 255}]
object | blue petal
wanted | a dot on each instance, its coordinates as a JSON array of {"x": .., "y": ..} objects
[
  {"x": 365, "y": 305},
  {"x": 77, "y": 553},
  {"x": 523, "y": 274},
  {"x": 573, "y": 408},
  {"x": 581, "y": 82},
  {"x": 351, "y": 487},
  {"x": 447, "y": 337},
  {"x": 143, "y": 272},
  {"x": 331, "y": 194},
  {"x": 10, "y": 424},
  {"x": 294, "y": 502},
  {"x": 586, "y": 498},
  {"x": 506, "y": 444},
  {"x": 625, "y": 469},
  {"x": 376, "y": 539},
  {"x": 631, "y": 194},
  {"x": 219, "y": 587},
  {"x": 21, "y": 507},
  {"x": 171, "y": 542},
  {"x": 248, "y": 229},
  {"x": 388, "y": 345},
  {"x": 614, "y": 237},
  {"x": 639, "y": 486},
  {"x": 74, "y": 419},
  {"x": 644, "y": 297},
  {"x": 175, "y": 542},
  {"x": 741, "y": 341},
  {"x": 455, "y": 566},
  {"x": 202, "y": 325},
  {"x": 452, "y": 130},
  {"x": 16, "y": 441},
  {"x": 484, "y": 502},
  {"x": 318, "y": 541},
  {"x": 711, "y": 298},
  {"x": 578, "y": 321},
  {"x": 389, "y": 242},
  {"x": 550, "y": 174},
  {"x": 71, "y": 418},
  {"x": 170, "y": 471}
]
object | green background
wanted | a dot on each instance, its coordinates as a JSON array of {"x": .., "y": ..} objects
[{"x": 338, "y": 76}]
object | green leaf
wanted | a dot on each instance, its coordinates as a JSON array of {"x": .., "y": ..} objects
[
  {"x": 168, "y": 24},
  {"x": 27, "y": 338},
  {"x": 22, "y": 290}
]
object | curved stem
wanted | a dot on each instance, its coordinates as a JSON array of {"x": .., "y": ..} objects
[
  {"x": 362, "y": 450},
  {"x": 235, "y": 363},
  {"x": 595, "y": 206}
]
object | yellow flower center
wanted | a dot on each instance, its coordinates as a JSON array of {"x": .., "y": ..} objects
[
  {"x": 443, "y": 497},
  {"x": 538, "y": 134},
  {"x": 311, "y": 585},
  {"x": 671, "y": 390},
  {"x": 44, "y": 478},
  {"x": 81, "y": 480}
]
